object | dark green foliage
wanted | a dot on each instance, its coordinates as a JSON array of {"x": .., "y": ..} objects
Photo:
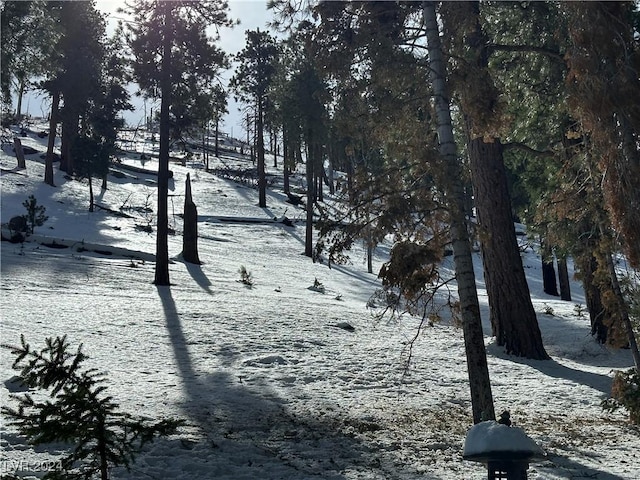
[
  {"x": 625, "y": 393},
  {"x": 91, "y": 156},
  {"x": 77, "y": 412},
  {"x": 35, "y": 216}
]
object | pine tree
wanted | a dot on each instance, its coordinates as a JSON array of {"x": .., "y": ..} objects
[
  {"x": 78, "y": 412},
  {"x": 513, "y": 318},
  {"x": 251, "y": 82},
  {"x": 175, "y": 57},
  {"x": 35, "y": 215}
]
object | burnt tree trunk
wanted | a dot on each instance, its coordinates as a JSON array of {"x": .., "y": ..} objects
[
  {"x": 563, "y": 279},
  {"x": 549, "y": 283},
  {"x": 513, "y": 318},
  {"x": 190, "y": 229}
]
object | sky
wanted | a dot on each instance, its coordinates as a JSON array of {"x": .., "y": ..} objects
[{"x": 251, "y": 13}]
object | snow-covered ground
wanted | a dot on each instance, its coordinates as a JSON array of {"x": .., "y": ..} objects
[{"x": 269, "y": 386}]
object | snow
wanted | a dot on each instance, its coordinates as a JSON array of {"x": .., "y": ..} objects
[
  {"x": 487, "y": 438},
  {"x": 270, "y": 380}
]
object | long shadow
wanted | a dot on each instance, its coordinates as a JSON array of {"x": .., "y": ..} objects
[
  {"x": 199, "y": 276},
  {"x": 553, "y": 369},
  {"x": 578, "y": 470},
  {"x": 249, "y": 426}
]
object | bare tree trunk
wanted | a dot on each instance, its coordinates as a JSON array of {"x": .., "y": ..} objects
[
  {"x": 513, "y": 318},
  {"x": 286, "y": 161},
  {"x": 22, "y": 84},
  {"x": 597, "y": 314},
  {"x": 162, "y": 240},
  {"x": 308, "y": 242},
  {"x": 91, "y": 197},
  {"x": 563, "y": 278},
  {"x": 217, "y": 151},
  {"x": 624, "y": 312},
  {"x": 477, "y": 367},
  {"x": 549, "y": 284},
  {"x": 262, "y": 179},
  {"x": 51, "y": 140}
]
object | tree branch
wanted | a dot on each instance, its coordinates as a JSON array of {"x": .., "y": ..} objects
[
  {"x": 531, "y": 151},
  {"x": 556, "y": 55}
]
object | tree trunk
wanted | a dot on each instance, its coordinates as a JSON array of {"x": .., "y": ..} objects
[
  {"x": 513, "y": 318},
  {"x": 274, "y": 148},
  {"x": 549, "y": 284},
  {"x": 17, "y": 145},
  {"x": 70, "y": 128},
  {"x": 308, "y": 241},
  {"x": 217, "y": 151},
  {"x": 51, "y": 140},
  {"x": 588, "y": 266},
  {"x": 563, "y": 278},
  {"x": 285, "y": 162},
  {"x": 102, "y": 448},
  {"x": 190, "y": 229},
  {"x": 262, "y": 179},
  {"x": 623, "y": 312},
  {"x": 91, "y": 198},
  {"x": 477, "y": 367},
  {"x": 162, "y": 240},
  {"x": 22, "y": 84}
]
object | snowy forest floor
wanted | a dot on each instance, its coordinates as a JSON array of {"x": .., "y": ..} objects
[{"x": 269, "y": 386}]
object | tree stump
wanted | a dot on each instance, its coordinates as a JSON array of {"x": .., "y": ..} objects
[
  {"x": 190, "y": 230},
  {"x": 17, "y": 145}
]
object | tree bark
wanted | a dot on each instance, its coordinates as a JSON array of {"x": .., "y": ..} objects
[
  {"x": 190, "y": 229},
  {"x": 308, "y": 242},
  {"x": 563, "y": 278},
  {"x": 70, "y": 128},
  {"x": 162, "y": 240},
  {"x": 262, "y": 179},
  {"x": 91, "y": 197},
  {"x": 477, "y": 367},
  {"x": 549, "y": 283},
  {"x": 285, "y": 162},
  {"x": 17, "y": 145},
  {"x": 513, "y": 318},
  {"x": 51, "y": 140}
]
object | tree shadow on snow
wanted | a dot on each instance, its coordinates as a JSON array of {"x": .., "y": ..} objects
[
  {"x": 554, "y": 369},
  {"x": 198, "y": 275},
  {"x": 243, "y": 429},
  {"x": 576, "y": 469}
]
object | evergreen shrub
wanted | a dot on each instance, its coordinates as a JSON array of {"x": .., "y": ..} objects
[
  {"x": 625, "y": 392},
  {"x": 71, "y": 407}
]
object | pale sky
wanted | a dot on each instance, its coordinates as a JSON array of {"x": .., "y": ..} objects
[{"x": 251, "y": 13}]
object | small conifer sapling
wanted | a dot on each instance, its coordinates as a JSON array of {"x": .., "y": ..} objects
[
  {"x": 35, "y": 215},
  {"x": 76, "y": 411}
]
